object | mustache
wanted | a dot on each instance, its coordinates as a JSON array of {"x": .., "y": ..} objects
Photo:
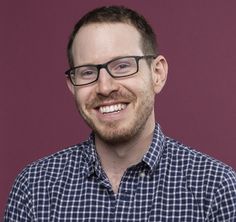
[{"x": 98, "y": 100}]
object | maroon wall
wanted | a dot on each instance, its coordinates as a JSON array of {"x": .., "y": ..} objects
[{"x": 37, "y": 113}]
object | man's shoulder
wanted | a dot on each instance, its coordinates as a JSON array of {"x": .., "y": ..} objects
[
  {"x": 195, "y": 163},
  {"x": 51, "y": 167}
]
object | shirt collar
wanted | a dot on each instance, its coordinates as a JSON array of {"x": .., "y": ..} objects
[
  {"x": 91, "y": 157},
  {"x": 151, "y": 158}
]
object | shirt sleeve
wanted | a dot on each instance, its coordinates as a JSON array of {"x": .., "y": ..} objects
[
  {"x": 223, "y": 206},
  {"x": 19, "y": 207}
]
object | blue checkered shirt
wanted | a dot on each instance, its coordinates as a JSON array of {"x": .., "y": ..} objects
[{"x": 171, "y": 183}]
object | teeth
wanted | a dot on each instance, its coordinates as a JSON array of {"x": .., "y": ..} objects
[{"x": 112, "y": 108}]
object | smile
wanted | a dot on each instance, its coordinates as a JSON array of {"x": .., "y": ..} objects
[{"x": 112, "y": 108}]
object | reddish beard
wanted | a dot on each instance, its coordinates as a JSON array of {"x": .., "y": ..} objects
[{"x": 110, "y": 132}]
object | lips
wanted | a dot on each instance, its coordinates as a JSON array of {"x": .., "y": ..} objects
[
  {"x": 112, "y": 108},
  {"x": 112, "y": 104}
]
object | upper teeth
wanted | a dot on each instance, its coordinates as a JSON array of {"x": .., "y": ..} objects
[{"x": 112, "y": 108}]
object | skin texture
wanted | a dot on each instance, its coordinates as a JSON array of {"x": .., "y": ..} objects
[{"x": 121, "y": 137}]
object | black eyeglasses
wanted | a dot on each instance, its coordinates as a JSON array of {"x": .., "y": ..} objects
[{"x": 117, "y": 68}]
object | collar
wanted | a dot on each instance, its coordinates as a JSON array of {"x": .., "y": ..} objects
[
  {"x": 91, "y": 157},
  {"x": 151, "y": 158}
]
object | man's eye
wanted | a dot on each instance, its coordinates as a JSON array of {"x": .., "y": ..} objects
[
  {"x": 122, "y": 66},
  {"x": 87, "y": 73}
]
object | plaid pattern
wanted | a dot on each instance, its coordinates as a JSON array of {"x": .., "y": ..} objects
[{"x": 171, "y": 183}]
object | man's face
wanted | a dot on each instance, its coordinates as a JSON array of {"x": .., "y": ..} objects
[{"x": 116, "y": 109}]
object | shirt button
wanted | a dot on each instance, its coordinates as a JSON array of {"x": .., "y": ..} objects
[{"x": 142, "y": 174}]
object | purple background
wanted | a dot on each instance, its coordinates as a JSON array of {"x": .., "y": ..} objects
[{"x": 37, "y": 112}]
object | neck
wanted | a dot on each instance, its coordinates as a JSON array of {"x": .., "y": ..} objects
[{"x": 116, "y": 158}]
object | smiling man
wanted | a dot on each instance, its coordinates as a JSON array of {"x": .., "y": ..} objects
[{"x": 127, "y": 170}]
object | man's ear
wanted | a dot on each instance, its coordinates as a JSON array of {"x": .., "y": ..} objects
[
  {"x": 70, "y": 86},
  {"x": 159, "y": 73}
]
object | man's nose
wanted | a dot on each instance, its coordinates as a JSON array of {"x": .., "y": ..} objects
[{"x": 106, "y": 83}]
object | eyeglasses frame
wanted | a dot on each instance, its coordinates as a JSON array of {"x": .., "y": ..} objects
[{"x": 105, "y": 65}]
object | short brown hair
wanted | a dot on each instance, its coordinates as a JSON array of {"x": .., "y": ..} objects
[{"x": 114, "y": 14}]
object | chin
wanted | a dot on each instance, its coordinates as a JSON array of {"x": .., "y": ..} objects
[
  {"x": 115, "y": 134},
  {"x": 114, "y": 138}
]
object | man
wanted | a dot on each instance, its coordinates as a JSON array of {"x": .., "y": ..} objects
[{"x": 127, "y": 170}]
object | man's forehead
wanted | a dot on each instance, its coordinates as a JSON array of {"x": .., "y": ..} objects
[
  {"x": 106, "y": 40},
  {"x": 110, "y": 26}
]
